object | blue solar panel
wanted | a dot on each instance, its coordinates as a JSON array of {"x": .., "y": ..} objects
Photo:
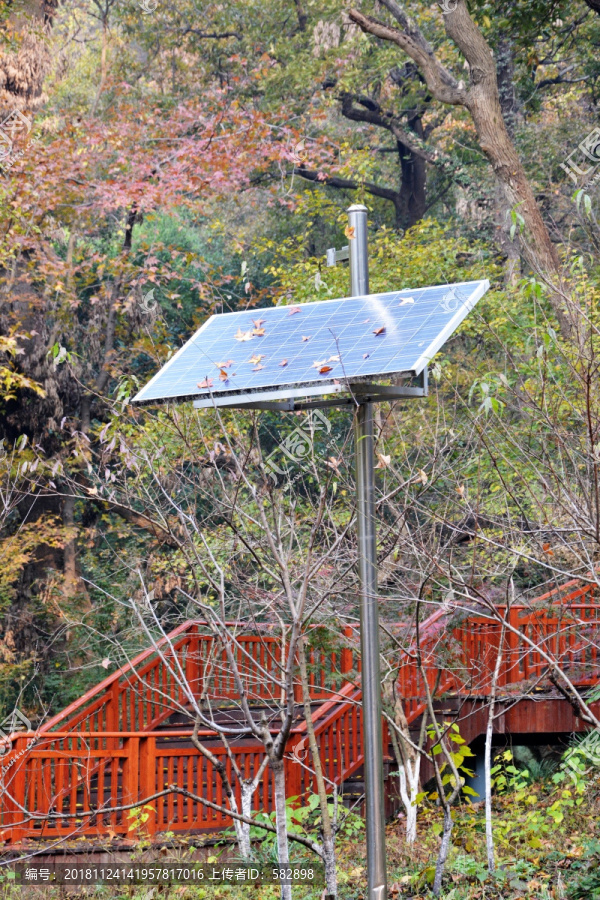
[{"x": 326, "y": 343}]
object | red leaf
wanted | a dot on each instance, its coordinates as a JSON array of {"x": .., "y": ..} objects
[
  {"x": 379, "y": 330},
  {"x": 325, "y": 369}
]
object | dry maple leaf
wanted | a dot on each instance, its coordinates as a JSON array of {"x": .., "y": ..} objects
[
  {"x": 256, "y": 358},
  {"x": 334, "y": 464},
  {"x": 305, "y": 338},
  {"x": 206, "y": 383},
  {"x": 258, "y": 331},
  {"x": 384, "y": 461},
  {"x": 283, "y": 362},
  {"x": 349, "y": 232},
  {"x": 318, "y": 363},
  {"x": 223, "y": 376},
  {"x": 380, "y": 330},
  {"x": 325, "y": 369},
  {"x": 224, "y": 365},
  {"x": 406, "y": 300},
  {"x": 243, "y": 335},
  {"x": 258, "y": 368},
  {"x": 257, "y": 322},
  {"x": 294, "y": 310},
  {"x": 334, "y": 359}
]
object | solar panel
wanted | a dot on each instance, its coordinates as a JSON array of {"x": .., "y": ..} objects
[{"x": 312, "y": 348}]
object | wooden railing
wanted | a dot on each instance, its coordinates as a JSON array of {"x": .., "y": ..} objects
[{"x": 107, "y": 750}]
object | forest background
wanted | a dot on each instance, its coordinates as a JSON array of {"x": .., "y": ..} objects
[{"x": 165, "y": 161}]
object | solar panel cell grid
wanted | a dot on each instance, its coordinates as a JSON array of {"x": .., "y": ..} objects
[{"x": 327, "y": 341}]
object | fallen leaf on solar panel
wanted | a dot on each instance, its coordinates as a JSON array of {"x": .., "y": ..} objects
[
  {"x": 379, "y": 330},
  {"x": 256, "y": 358},
  {"x": 325, "y": 369},
  {"x": 224, "y": 365},
  {"x": 258, "y": 368},
  {"x": 208, "y": 382},
  {"x": 406, "y": 300},
  {"x": 258, "y": 331},
  {"x": 243, "y": 335},
  {"x": 294, "y": 310},
  {"x": 318, "y": 363},
  {"x": 223, "y": 376},
  {"x": 283, "y": 362},
  {"x": 305, "y": 338}
]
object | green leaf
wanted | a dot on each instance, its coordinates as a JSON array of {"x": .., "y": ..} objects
[{"x": 469, "y": 791}]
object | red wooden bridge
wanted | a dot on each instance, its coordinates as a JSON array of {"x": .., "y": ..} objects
[{"x": 129, "y": 738}]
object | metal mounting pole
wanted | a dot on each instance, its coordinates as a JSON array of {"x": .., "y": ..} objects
[{"x": 369, "y": 614}]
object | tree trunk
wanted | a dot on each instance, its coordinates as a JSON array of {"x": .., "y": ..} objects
[
  {"x": 413, "y": 179},
  {"x": 248, "y": 788},
  {"x": 443, "y": 853},
  {"x": 487, "y": 764},
  {"x": 283, "y": 851},
  {"x": 409, "y": 762},
  {"x": 328, "y": 834},
  {"x": 409, "y": 788}
]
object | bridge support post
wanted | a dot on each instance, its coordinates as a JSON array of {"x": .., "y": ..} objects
[{"x": 369, "y": 613}]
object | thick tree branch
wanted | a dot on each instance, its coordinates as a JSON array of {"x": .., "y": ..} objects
[
  {"x": 439, "y": 80},
  {"x": 337, "y": 181},
  {"x": 376, "y": 116}
]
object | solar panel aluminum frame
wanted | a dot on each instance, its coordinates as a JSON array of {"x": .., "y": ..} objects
[{"x": 365, "y": 390}]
